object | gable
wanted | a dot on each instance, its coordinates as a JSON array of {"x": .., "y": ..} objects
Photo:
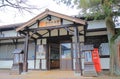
[
  {"x": 51, "y": 24},
  {"x": 41, "y": 20}
]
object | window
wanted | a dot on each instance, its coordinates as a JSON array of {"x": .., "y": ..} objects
[
  {"x": 1, "y": 35},
  {"x": 104, "y": 49},
  {"x": 66, "y": 50}
]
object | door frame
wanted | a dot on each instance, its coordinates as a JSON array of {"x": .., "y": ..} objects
[
  {"x": 71, "y": 53},
  {"x": 49, "y": 55}
]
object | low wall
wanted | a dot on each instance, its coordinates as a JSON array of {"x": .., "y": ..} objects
[
  {"x": 105, "y": 63},
  {"x": 7, "y": 64}
]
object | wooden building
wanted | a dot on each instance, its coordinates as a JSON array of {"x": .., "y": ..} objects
[{"x": 51, "y": 41}]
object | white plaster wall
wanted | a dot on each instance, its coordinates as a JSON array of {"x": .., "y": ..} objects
[
  {"x": 7, "y": 64},
  {"x": 43, "y": 66},
  {"x": 105, "y": 63},
  {"x": 37, "y": 64},
  {"x": 30, "y": 64},
  {"x": 10, "y": 33}
]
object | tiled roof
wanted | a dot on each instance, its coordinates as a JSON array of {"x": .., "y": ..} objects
[{"x": 10, "y": 26}]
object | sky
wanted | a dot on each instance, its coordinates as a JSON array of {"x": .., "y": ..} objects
[{"x": 11, "y": 16}]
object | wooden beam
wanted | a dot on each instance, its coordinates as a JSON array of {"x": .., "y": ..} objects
[
  {"x": 53, "y": 27},
  {"x": 58, "y": 32},
  {"x": 61, "y": 21},
  {"x": 6, "y": 38},
  {"x": 15, "y": 41},
  {"x": 85, "y": 29},
  {"x": 69, "y": 30},
  {"x": 45, "y": 33},
  {"x": 56, "y": 36},
  {"x": 22, "y": 32},
  {"x": 38, "y": 21},
  {"x": 49, "y": 33},
  {"x": 38, "y": 34},
  {"x": 48, "y": 28},
  {"x": 26, "y": 34}
]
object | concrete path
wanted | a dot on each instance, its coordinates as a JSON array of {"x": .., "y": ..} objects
[{"x": 53, "y": 74}]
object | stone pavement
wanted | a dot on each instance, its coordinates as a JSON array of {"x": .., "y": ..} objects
[{"x": 52, "y": 74}]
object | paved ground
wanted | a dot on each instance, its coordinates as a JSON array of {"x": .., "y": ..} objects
[{"x": 53, "y": 74}]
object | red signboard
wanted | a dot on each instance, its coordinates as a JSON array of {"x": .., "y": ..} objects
[{"x": 96, "y": 60}]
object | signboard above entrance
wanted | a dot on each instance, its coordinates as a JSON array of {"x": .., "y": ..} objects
[{"x": 49, "y": 23}]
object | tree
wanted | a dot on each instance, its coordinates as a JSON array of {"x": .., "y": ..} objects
[
  {"x": 109, "y": 9},
  {"x": 20, "y": 5}
]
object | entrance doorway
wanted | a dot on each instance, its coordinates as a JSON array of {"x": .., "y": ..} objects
[
  {"x": 60, "y": 56},
  {"x": 60, "y": 53},
  {"x": 66, "y": 56},
  {"x": 54, "y": 56}
]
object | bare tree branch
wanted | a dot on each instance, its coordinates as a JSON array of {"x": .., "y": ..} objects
[{"x": 20, "y": 5}]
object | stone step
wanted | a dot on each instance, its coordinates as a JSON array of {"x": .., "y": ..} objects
[
  {"x": 89, "y": 70},
  {"x": 90, "y": 73}
]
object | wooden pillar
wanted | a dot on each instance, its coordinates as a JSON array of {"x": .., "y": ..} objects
[
  {"x": 77, "y": 51},
  {"x": 35, "y": 54},
  {"x": 15, "y": 41},
  {"x": 25, "y": 63}
]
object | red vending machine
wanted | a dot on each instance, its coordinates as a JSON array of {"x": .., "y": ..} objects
[{"x": 96, "y": 60}]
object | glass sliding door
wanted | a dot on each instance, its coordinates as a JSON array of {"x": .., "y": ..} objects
[
  {"x": 54, "y": 56},
  {"x": 66, "y": 57}
]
